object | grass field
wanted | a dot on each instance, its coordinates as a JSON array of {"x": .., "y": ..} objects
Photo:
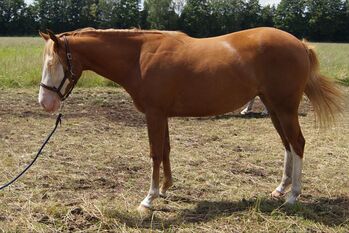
[
  {"x": 21, "y": 64},
  {"x": 96, "y": 170}
]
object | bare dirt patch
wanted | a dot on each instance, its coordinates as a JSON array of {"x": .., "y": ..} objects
[{"x": 95, "y": 171}]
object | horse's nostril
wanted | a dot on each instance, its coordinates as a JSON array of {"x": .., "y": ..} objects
[{"x": 44, "y": 105}]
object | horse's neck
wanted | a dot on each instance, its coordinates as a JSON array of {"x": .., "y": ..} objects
[{"x": 115, "y": 58}]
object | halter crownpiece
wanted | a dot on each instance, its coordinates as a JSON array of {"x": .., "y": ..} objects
[{"x": 68, "y": 75}]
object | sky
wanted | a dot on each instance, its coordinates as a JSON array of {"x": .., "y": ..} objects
[
  {"x": 271, "y": 2},
  {"x": 263, "y": 2}
]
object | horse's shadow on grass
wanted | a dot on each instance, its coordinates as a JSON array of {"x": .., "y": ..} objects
[{"x": 330, "y": 212}]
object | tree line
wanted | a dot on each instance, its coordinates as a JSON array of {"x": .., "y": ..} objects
[{"x": 317, "y": 20}]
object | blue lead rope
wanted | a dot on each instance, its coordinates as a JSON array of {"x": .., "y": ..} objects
[{"x": 58, "y": 122}]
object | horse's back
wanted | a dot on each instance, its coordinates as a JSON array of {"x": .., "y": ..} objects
[{"x": 209, "y": 76}]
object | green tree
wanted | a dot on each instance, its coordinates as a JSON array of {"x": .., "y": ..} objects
[
  {"x": 53, "y": 14},
  {"x": 267, "y": 17},
  {"x": 81, "y": 13},
  {"x": 290, "y": 16},
  {"x": 143, "y": 18},
  {"x": 196, "y": 18},
  {"x": 342, "y": 32},
  {"x": 324, "y": 18},
  {"x": 30, "y": 25},
  {"x": 345, "y": 21},
  {"x": 252, "y": 14},
  {"x": 161, "y": 14},
  {"x": 127, "y": 13},
  {"x": 105, "y": 13},
  {"x": 13, "y": 17},
  {"x": 118, "y": 13},
  {"x": 226, "y": 16}
]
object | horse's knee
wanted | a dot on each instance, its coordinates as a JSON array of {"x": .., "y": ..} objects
[{"x": 156, "y": 158}]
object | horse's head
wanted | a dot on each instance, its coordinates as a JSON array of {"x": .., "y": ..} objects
[{"x": 60, "y": 72}]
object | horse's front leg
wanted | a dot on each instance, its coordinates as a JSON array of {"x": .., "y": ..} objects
[
  {"x": 156, "y": 122},
  {"x": 167, "y": 181}
]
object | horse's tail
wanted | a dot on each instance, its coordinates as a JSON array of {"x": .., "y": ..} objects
[{"x": 325, "y": 96}]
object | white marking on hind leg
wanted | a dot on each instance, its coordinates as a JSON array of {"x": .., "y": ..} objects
[
  {"x": 287, "y": 174},
  {"x": 296, "y": 178}
]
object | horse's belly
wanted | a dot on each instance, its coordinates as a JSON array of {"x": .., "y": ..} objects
[
  {"x": 200, "y": 112},
  {"x": 210, "y": 102}
]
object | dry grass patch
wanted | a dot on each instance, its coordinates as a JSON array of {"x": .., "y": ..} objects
[{"x": 96, "y": 170}]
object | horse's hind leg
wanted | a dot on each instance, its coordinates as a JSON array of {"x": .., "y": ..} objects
[
  {"x": 291, "y": 128},
  {"x": 285, "y": 120},
  {"x": 287, "y": 173}
]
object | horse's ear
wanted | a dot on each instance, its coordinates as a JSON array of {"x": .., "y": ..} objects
[
  {"x": 44, "y": 35},
  {"x": 53, "y": 37}
]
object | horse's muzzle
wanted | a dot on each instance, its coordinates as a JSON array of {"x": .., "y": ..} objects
[{"x": 49, "y": 100}]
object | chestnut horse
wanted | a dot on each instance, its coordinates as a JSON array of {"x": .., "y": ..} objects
[{"x": 169, "y": 74}]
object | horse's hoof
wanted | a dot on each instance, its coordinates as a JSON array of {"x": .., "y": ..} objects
[
  {"x": 162, "y": 194},
  {"x": 277, "y": 194},
  {"x": 144, "y": 211},
  {"x": 291, "y": 199}
]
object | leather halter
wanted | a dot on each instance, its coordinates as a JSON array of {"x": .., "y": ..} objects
[{"x": 68, "y": 75}]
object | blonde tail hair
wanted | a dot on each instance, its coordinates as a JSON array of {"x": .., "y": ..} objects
[{"x": 325, "y": 96}]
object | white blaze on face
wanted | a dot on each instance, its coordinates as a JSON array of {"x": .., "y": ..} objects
[{"x": 52, "y": 76}]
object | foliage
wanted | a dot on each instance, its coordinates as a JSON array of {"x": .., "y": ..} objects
[
  {"x": 118, "y": 13},
  {"x": 196, "y": 18},
  {"x": 161, "y": 14},
  {"x": 15, "y": 15},
  {"x": 324, "y": 19},
  {"x": 252, "y": 14},
  {"x": 320, "y": 20},
  {"x": 290, "y": 16},
  {"x": 226, "y": 15}
]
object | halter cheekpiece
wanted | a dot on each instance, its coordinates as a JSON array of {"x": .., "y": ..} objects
[{"x": 68, "y": 75}]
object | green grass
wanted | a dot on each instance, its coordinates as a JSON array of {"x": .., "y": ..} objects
[
  {"x": 21, "y": 62},
  {"x": 334, "y": 60}
]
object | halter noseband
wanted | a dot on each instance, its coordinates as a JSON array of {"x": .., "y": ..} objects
[{"x": 68, "y": 75}]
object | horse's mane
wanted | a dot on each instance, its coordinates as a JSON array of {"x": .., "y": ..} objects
[
  {"x": 90, "y": 31},
  {"x": 125, "y": 32}
]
